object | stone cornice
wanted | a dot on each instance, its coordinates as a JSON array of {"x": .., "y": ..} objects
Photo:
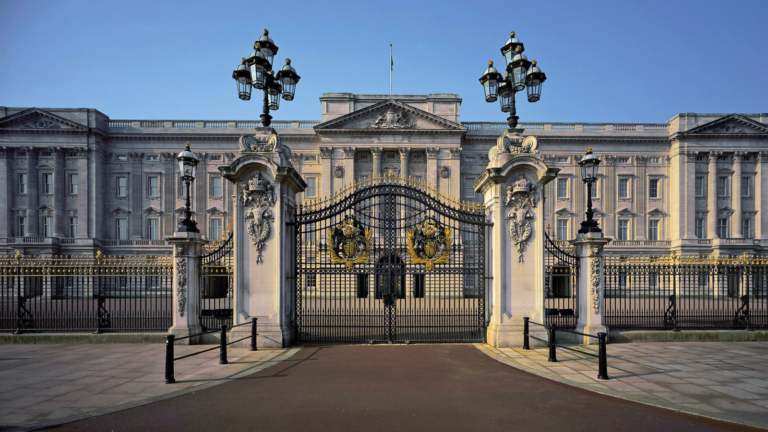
[{"x": 334, "y": 124}]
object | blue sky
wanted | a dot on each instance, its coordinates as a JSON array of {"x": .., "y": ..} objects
[{"x": 606, "y": 61}]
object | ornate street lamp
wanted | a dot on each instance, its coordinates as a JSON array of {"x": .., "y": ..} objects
[
  {"x": 521, "y": 74},
  {"x": 256, "y": 71},
  {"x": 588, "y": 166},
  {"x": 187, "y": 168}
]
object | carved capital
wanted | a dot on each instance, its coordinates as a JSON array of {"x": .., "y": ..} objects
[
  {"x": 455, "y": 152},
  {"x": 762, "y": 157},
  {"x": 296, "y": 158},
  {"x": 349, "y": 152},
  {"x": 432, "y": 152},
  {"x": 326, "y": 152},
  {"x": 739, "y": 156},
  {"x": 609, "y": 159},
  {"x": 404, "y": 152},
  {"x": 690, "y": 156},
  {"x": 376, "y": 152},
  {"x": 641, "y": 159},
  {"x": 714, "y": 155}
]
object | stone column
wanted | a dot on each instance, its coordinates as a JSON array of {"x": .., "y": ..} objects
[
  {"x": 136, "y": 195},
  {"x": 761, "y": 196},
  {"x": 60, "y": 190},
  {"x": 405, "y": 153},
  {"x": 326, "y": 173},
  {"x": 609, "y": 195},
  {"x": 168, "y": 197},
  {"x": 83, "y": 193},
  {"x": 591, "y": 307},
  {"x": 187, "y": 248},
  {"x": 376, "y": 152},
  {"x": 6, "y": 190},
  {"x": 349, "y": 166},
  {"x": 33, "y": 194},
  {"x": 454, "y": 173},
  {"x": 640, "y": 198},
  {"x": 738, "y": 158},
  {"x": 712, "y": 195},
  {"x": 431, "y": 176},
  {"x": 201, "y": 195}
]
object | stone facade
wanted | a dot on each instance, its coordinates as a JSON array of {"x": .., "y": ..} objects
[{"x": 77, "y": 181}]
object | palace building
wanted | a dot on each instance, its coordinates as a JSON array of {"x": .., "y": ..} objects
[{"x": 77, "y": 181}]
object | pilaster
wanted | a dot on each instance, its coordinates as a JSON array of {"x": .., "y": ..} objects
[
  {"x": 348, "y": 163},
  {"x": 376, "y": 152},
  {"x": 454, "y": 173},
  {"x": 640, "y": 197},
  {"x": 83, "y": 192},
  {"x": 609, "y": 195},
  {"x": 136, "y": 195},
  {"x": 326, "y": 159},
  {"x": 738, "y": 158},
  {"x": 712, "y": 195},
  {"x": 432, "y": 176},
  {"x": 33, "y": 193},
  {"x": 761, "y": 196},
  {"x": 591, "y": 302},
  {"x": 405, "y": 154},
  {"x": 60, "y": 192},
  {"x": 187, "y": 249}
]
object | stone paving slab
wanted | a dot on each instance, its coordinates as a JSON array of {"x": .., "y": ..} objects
[
  {"x": 722, "y": 380},
  {"x": 48, "y": 384}
]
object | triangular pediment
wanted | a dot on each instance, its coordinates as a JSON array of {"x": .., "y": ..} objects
[
  {"x": 215, "y": 211},
  {"x": 656, "y": 213},
  {"x": 36, "y": 120},
  {"x": 734, "y": 124},
  {"x": 389, "y": 117},
  {"x": 564, "y": 212},
  {"x": 625, "y": 212},
  {"x": 120, "y": 211},
  {"x": 180, "y": 210},
  {"x": 152, "y": 211}
]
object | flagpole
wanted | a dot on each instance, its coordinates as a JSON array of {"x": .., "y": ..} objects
[{"x": 390, "y": 69}]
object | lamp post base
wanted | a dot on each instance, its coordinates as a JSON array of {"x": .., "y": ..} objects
[
  {"x": 266, "y": 120},
  {"x": 188, "y": 226},
  {"x": 589, "y": 226}
]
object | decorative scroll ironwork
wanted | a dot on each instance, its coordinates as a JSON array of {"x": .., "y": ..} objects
[
  {"x": 81, "y": 293},
  {"x": 389, "y": 295},
  {"x": 686, "y": 292},
  {"x": 561, "y": 282}
]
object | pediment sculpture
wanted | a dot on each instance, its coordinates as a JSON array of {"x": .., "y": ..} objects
[
  {"x": 522, "y": 201},
  {"x": 393, "y": 120},
  {"x": 258, "y": 196}
]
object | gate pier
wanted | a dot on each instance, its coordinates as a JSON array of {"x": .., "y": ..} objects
[
  {"x": 513, "y": 189},
  {"x": 266, "y": 185}
]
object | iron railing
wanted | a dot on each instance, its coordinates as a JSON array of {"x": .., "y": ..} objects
[
  {"x": 216, "y": 282},
  {"x": 86, "y": 293},
  {"x": 677, "y": 292},
  {"x": 171, "y": 339},
  {"x": 551, "y": 342},
  {"x": 561, "y": 282}
]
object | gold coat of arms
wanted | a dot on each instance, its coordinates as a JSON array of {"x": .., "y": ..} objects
[
  {"x": 350, "y": 244},
  {"x": 430, "y": 243}
]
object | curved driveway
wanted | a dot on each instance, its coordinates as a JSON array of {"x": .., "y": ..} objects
[{"x": 395, "y": 388}]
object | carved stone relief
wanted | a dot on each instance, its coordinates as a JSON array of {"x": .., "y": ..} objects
[
  {"x": 338, "y": 171},
  {"x": 258, "y": 195},
  {"x": 522, "y": 202},
  {"x": 445, "y": 172},
  {"x": 595, "y": 258},
  {"x": 181, "y": 285},
  {"x": 393, "y": 120}
]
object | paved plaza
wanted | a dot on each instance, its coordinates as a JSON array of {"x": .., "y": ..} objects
[
  {"x": 381, "y": 387},
  {"x": 44, "y": 383}
]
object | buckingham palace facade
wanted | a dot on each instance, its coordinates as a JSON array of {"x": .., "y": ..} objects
[{"x": 77, "y": 181}]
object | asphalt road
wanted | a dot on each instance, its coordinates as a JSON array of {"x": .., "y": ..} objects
[{"x": 395, "y": 388}]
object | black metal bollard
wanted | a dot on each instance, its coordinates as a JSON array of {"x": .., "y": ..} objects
[
  {"x": 223, "y": 349},
  {"x": 169, "y": 339},
  {"x": 602, "y": 356},
  {"x": 526, "y": 343},
  {"x": 253, "y": 334},
  {"x": 552, "y": 343}
]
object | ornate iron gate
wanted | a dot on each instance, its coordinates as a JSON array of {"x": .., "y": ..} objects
[
  {"x": 216, "y": 271},
  {"x": 390, "y": 260},
  {"x": 561, "y": 282}
]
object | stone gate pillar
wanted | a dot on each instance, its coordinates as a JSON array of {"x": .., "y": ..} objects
[
  {"x": 266, "y": 184},
  {"x": 513, "y": 189},
  {"x": 591, "y": 307},
  {"x": 187, "y": 248}
]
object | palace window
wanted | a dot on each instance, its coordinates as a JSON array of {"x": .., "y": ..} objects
[
  {"x": 469, "y": 279},
  {"x": 653, "y": 230},
  {"x": 122, "y": 186},
  {"x": 122, "y": 158},
  {"x": 700, "y": 230},
  {"x": 418, "y": 157},
  {"x": 623, "y": 188},
  {"x": 724, "y": 158},
  {"x": 699, "y": 187},
  {"x": 73, "y": 227},
  {"x": 216, "y": 187},
  {"x": 47, "y": 154},
  {"x": 48, "y": 183},
  {"x": 562, "y": 188},
  {"x": 153, "y": 158},
  {"x": 73, "y": 180},
  {"x": 216, "y": 157},
  {"x": 311, "y": 277},
  {"x": 47, "y": 226},
  {"x": 745, "y": 186},
  {"x": 22, "y": 226},
  {"x": 562, "y": 160},
  {"x": 311, "y": 186},
  {"x": 215, "y": 230},
  {"x": 153, "y": 186},
  {"x": 562, "y": 229},
  {"x": 623, "y": 160},
  {"x": 182, "y": 188},
  {"x": 469, "y": 159},
  {"x": 653, "y": 160},
  {"x": 722, "y": 186},
  {"x": 22, "y": 183},
  {"x": 364, "y": 156},
  {"x": 593, "y": 186},
  {"x": 701, "y": 158},
  {"x": 310, "y": 158},
  {"x": 391, "y": 156},
  {"x": 653, "y": 188},
  {"x": 746, "y": 228},
  {"x": 469, "y": 190},
  {"x": 153, "y": 228},
  {"x": 623, "y": 230},
  {"x": 722, "y": 228},
  {"x": 121, "y": 229},
  {"x": 310, "y": 233}
]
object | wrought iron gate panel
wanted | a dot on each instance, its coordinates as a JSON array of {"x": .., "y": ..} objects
[
  {"x": 390, "y": 261},
  {"x": 561, "y": 281},
  {"x": 216, "y": 282}
]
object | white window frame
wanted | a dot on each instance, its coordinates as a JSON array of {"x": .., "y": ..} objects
[
  {"x": 595, "y": 188},
  {"x": 700, "y": 228},
  {"x": 658, "y": 188},
  {"x": 470, "y": 159},
  {"x": 624, "y": 160},
  {"x": 73, "y": 226},
  {"x": 73, "y": 179},
  {"x": 121, "y": 229},
  {"x": 121, "y": 191},
  {"x": 469, "y": 190},
  {"x": 212, "y": 190},
  {"x": 628, "y": 190},
  {"x": 149, "y": 186},
  {"x": 562, "y": 231},
  {"x": 23, "y": 183},
  {"x": 619, "y": 235},
  {"x": 156, "y": 228},
  {"x": 746, "y": 228},
  {"x": 723, "y": 227},
  {"x": 47, "y": 226},
  {"x": 311, "y": 190},
  {"x": 216, "y": 228},
  {"x": 653, "y": 230},
  {"x": 22, "y": 226},
  {"x": 562, "y": 188},
  {"x": 723, "y": 186},
  {"x": 47, "y": 183},
  {"x": 698, "y": 186},
  {"x": 746, "y": 190}
]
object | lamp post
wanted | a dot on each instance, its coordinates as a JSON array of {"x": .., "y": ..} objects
[
  {"x": 187, "y": 168},
  {"x": 256, "y": 71},
  {"x": 520, "y": 74},
  {"x": 588, "y": 166}
]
